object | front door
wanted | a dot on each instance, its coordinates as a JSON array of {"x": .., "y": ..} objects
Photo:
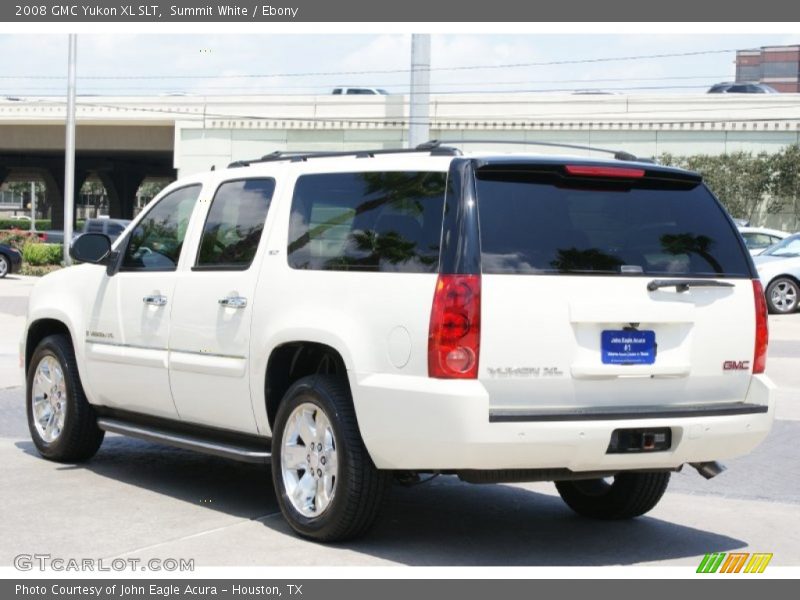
[
  {"x": 128, "y": 319},
  {"x": 212, "y": 312}
]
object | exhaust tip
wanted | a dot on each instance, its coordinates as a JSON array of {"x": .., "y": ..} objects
[{"x": 709, "y": 469}]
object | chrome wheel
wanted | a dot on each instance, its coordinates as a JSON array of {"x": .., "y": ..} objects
[
  {"x": 3, "y": 266},
  {"x": 783, "y": 295},
  {"x": 309, "y": 464},
  {"x": 49, "y": 399}
]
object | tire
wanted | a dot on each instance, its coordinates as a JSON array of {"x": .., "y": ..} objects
[
  {"x": 629, "y": 495},
  {"x": 5, "y": 266},
  {"x": 78, "y": 437},
  {"x": 357, "y": 487},
  {"x": 782, "y": 295}
]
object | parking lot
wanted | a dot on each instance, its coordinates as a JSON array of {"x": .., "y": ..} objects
[{"x": 142, "y": 500}]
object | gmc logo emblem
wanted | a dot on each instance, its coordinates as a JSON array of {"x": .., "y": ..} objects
[{"x": 736, "y": 365}]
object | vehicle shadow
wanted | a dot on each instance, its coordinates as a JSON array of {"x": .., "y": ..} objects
[
  {"x": 453, "y": 523},
  {"x": 444, "y": 522}
]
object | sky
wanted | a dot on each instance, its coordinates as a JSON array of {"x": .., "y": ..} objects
[{"x": 151, "y": 63}]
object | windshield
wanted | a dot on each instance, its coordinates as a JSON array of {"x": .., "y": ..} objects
[{"x": 789, "y": 248}]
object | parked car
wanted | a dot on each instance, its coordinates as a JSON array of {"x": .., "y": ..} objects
[
  {"x": 52, "y": 236},
  {"x": 359, "y": 91},
  {"x": 735, "y": 87},
  {"x": 113, "y": 228},
  {"x": 779, "y": 270},
  {"x": 758, "y": 239},
  {"x": 10, "y": 260},
  {"x": 357, "y": 317}
]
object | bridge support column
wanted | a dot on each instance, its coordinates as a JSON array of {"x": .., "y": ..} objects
[
  {"x": 54, "y": 180},
  {"x": 121, "y": 187}
]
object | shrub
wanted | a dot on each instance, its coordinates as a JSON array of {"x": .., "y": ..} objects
[
  {"x": 16, "y": 239},
  {"x": 41, "y": 224},
  {"x": 37, "y": 254}
]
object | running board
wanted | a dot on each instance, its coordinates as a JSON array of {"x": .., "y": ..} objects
[{"x": 251, "y": 453}]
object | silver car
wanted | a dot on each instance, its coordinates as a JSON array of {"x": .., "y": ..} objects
[{"x": 779, "y": 270}]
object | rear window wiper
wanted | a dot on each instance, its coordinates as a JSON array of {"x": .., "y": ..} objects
[{"x": 683, "y": 285}]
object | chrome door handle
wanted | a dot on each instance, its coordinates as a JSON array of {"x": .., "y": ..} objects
[
  {"x": 155, "y": 300},
  {"x": 233, "y": 302}
]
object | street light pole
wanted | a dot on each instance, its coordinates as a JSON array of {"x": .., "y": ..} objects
[
  {"x": 69, "y": 158},
  {"x": 33, "y": 206}
]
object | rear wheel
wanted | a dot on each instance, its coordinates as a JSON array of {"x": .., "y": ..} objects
[
  {"x": 782, "y": 295},
  {"x": 5, "y": 266},
  {"x": 327, "y": 486},
  {"x": 624, "y": 496},
  {"x": 62, "y": 423}
]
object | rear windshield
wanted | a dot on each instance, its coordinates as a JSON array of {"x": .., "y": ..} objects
[{"x": 531, "y": 226}]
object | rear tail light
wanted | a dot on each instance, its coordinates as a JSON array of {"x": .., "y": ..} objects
[
  {"x": 455, "y": 329},
  {"x": 595, "y": 171},
  {"x": 762, "y": 329}
]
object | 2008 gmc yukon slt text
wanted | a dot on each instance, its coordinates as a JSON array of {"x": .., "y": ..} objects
[{"x": 350, "y": 318}]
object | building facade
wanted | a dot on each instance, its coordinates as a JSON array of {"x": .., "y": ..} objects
[{"x": 776, "y": 66}]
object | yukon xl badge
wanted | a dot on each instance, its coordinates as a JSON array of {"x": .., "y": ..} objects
[
  {"x": 504, "y": 372},
  {"x": 736, "y": 365}
]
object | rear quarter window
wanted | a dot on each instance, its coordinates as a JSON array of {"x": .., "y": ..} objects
[
  {"x": 533, "y": 226},
  {"x": 371, "y": 221}
]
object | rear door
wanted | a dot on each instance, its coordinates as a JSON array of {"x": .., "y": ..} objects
[
  {"x": 576, "y": 314},
  {"x": 209, "y": 339}
]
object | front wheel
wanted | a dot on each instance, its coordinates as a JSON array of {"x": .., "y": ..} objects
[
  {"x": 327, "y": 486},
  {"x": 62, "y": 423},
  {"x": 625, "y": 496},
  {"x": 782, "y": 295}
]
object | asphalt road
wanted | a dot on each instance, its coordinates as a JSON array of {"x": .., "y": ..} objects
[{"x": 136, "y": 499}]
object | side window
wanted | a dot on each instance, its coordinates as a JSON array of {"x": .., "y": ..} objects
[
  {"x": 155, "y": 244},
  {"x": 234, "y": 224},
  {"x": 94, "y": 226},
  {"x": 757, "y": 240},
  {"x": 114, "y": 229},
  {"x": 374, "y": 221}
]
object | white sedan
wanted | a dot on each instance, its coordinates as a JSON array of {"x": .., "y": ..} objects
[
  {"x": 779, "y": 270},
  {"x": 758, "y": 239}
]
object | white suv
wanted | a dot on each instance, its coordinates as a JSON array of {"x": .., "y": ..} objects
[{"x": 350, "y": 318}]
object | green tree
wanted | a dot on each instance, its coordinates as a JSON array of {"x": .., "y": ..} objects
[{"x": 744, "y": 183}]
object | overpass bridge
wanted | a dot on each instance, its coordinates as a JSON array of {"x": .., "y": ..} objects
[{"x": 124, "y": 140}]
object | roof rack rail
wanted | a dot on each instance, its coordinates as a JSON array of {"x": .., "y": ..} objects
[
  {"x": 301, "y": 156},
  {"x": 441, "y": 144}
]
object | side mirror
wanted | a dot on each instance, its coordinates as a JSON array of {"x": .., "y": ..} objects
[{"x": 91, "y": 248}]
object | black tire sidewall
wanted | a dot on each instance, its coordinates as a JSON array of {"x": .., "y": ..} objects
[
  {"x": 8, "y": 266},
  {"x": 771, "y": 286},
  {"x": 49, "y": 347},
  {"x": 302, "y": 392},
  {"x": 631, "y": 494}
]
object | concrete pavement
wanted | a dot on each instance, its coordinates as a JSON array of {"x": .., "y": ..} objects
[{"x": 136, "y": 499}]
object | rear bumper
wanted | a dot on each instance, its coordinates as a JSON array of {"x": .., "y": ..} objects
[{"x": 422, "y": 424}]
